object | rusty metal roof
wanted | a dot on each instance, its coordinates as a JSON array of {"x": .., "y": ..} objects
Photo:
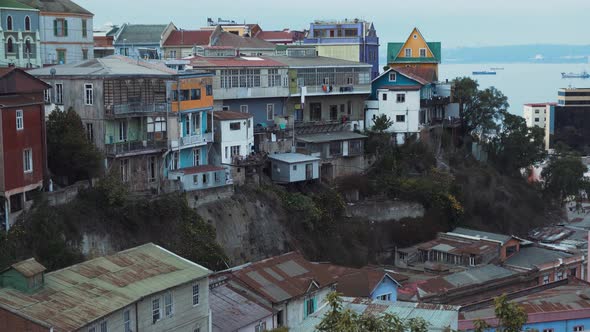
[
  {"x": 78, "y": 295},
  {"x": 28, "y": 268}
]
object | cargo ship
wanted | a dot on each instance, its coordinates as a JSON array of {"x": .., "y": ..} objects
[
  {"x": 484, "y": 72},
  {"x": 583, "y": 74}
]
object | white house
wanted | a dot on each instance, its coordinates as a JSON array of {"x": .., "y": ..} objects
[
  {"x": 401, "y": 104},
  {"x": 234, "y": 135},
  {"x": 536, "y": 114},
  {"x": 294, "y": 167},
  {"x": 65, "y": 30}
]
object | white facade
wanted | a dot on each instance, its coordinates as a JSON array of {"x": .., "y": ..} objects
[
  {"x": 261, "y": 325},
  {"x": 75, "y": 45},
  {"x": 536, "y": 115},
  {"x": 236, "y": 138},
  {"x": 185, "y": 317},
  {"x": 295, "y": 308},
  {"x": 402, "y": 107}
]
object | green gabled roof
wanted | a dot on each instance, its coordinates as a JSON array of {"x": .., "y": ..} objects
[
  {"x": 14, "y": 4},
  {"x": 393, "y": 49}
]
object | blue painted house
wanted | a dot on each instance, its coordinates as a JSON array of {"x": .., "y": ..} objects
[
  {"x": 352, "y": 40},
  {"x": 21, "y": 41},
  {"x": 370, "y": 283}
]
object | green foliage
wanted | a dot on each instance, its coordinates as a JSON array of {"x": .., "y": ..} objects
[
  {"x": 517, "y": 146},
  {"x": 564, "y": 178},
  {"x": 338, "y": 320},
  {"x": 69, "y": 153},
  {"x": 480, "y": 325},
  {"x": 381, "y": 123},
  {"x": 511, "y": 316}
]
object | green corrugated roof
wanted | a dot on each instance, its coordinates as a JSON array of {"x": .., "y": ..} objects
[
  {"x": 393, "y": 49},
  {"x": 14, "y": 4},
  {"x": 76, "y": 296},
  {"x": 435, "y": 47}
]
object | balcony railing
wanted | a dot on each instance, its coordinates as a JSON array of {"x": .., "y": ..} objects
[
  {"x": 435, "y": 101},
  {"x": 196, "y": 139},
  {"x": 137, "y": 108},
  {"x": 123, "y": 148},
  {"x": 337, "y": 89}
]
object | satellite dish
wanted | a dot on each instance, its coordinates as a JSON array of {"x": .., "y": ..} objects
[{"x": 52, "y": 71}]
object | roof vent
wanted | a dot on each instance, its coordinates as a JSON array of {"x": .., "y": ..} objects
[{"x": 26, "y": 276}]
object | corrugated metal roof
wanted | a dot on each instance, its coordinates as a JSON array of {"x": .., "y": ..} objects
[
  {"x": 330, "y": 137},
  {"x": 531, "y": 257},
  {"x": 437, "y": 316},
  {"x": 81, "y": 294},
  {"x": 475, "y": 276},
  {"x": 232, "y": 308},
  {"x": 482, "y": 235},
  {"x": 141, "y": 34},
  {"x": 56, "y": 6},
  {"x": 316, "y": 61},
  {"x": 29, "y": 267},
  {"x": 291, "y": 158}
]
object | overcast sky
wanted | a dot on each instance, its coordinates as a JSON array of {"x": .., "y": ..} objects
[{"x": 453, "y": 22}]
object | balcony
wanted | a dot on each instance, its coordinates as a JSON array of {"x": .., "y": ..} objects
[
  {"x": 194, "y": 140},
  {"x": 435, "y": 101},
  {"x": 135, "y": 148},
  {"x": 201, "y": 177},
  {"x": 136, "y": 109},
  {"x": 331, "y": 90}
]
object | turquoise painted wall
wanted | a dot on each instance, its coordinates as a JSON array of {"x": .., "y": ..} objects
[
  {"x": 384, "y": 81},
  {"x": 186, "y": 157},
  {"x": 134, "y": 130},
  {"x": 387, "y": 286},
  {"x": 184, "y": 117}
]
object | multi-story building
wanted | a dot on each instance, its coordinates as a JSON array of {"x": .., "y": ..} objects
[
  {"x": 242, "y": 30},
  {"x": 535, "y": 114},
  {"x": 103, "y": 41},
  {"x": 569, "y": 121},
  {"x": 283, "y": 37},
  {"x": 124, "y": 107},
  {"x": 23, "y": 152},
  {"x": 142, "y": 41},
  {"x": 352, "y": 40},
  {"x": 146, "y": 288},
  {"x": 21, "y": 43},
  {"x": 192, "y": 133},
  {"x": 65, "y": 31},
  {"x": 182, "y": 43},
  {"x": 415, "y": 52},
  {"x": 234, "y": 140}
]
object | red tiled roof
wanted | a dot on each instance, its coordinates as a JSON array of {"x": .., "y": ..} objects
[
  {"x": 229, "y": 39},
  {"x": 18, "y": 100},
  {"x": 420, "y": 74},
  {"x": 401, "y": 87},
  {"x": 229, "y": 115},
  {"x": 276, "y": 35},
  {"x": 204, "y": 62},
  {"x": 188, "y": 37},
  {"x": 361, "y": 282},
  {"x": 200, "y": 169},
  {"x": 540, "y": 104}
]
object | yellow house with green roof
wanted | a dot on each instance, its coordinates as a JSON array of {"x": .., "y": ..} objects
[{"x": 415, "y": 52}]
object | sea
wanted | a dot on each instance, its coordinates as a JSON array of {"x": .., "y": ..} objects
[{"x": 522, "y": 83}]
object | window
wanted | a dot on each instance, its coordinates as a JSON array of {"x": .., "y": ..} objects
[
  {"x": 536, "y": 119},
  {"x": 28, "y": 160},
  {"x": 152, "y": 168},
  {"x": 400, "y": 118},
  {"x": 401, "y": 97},
  {"x": 195, "y": 94},
  {"x": 579, "y": 328},
  {"x": 127, "y": 320},
  {"x": 88, "y": 94},
  {"x": 270, "y": 112},
  {"x": 217, "y": 179},
  {"x": 84, "y": 28},
  {"x": 545, "y": 279},
  {"x": 61, "y": 56},
  {"x": 209, "y": 90},
  {"x": 415, "y": 36},
  {"x": 205, "y": 178},
  {"x": 225, "y": 108},
  {"x": 28, "y": 47},
  {"x": 384, "y": 97},
  {"x": 274, "y": 78},
  {"x": 294, "y": 167},
  {"x": 60, "y": 27},
  {"x": 384, "y": 297},
  {"x": 124, "y": 51},
  {"x": 335, "y": 148},
  {"x": 10, "y": 45},
  {"x": 422, "y": 52},
  {"x": 84, "y": 54},
  {"x": 20, "y": 122},
  {"x": 103, "y": 326},
  {"x": 560, "y": 275},
  {"x": 9, "y": 23},
  {"x": 573, "y": 272},
  {"x": 123, "y": 131},
  {"x": 472, "y": 261},
  {"x": 392, "y": 76},
  {"x": 196, "y": 157},
  {"x": 47, "y": 96},
  {"x": 197, "y": 329},
  {"x": 175, "y": 160},
  {"x": 27, "y": 23},
  {"x": 195, "y": 179},
  {"x": 156, "y": 315},
  {"x": 59, "y": 93},
  {"x": 156, "y": 125},
  {"x": 89, "y": 132},
  {"x": 235, "y": 151},
  {"x": 310, "y": 306},
  {"x": 172, "y": 54},
  {"x": 408, "y": 52},
  {"x": 244, "y": 108},
  {"x": 536, "y": 111},
  {"x": 195, "y": 294},
  {"x": 260, "y": 327},
  {"x": 196, "y": 123},
  {"x": 315, "y": 111},
  {"x": 168, "y": 307},
  {"x": 234, "y": 126},
  {"x": 333, "y": 112},
  {"x": 92, "y": 329},
  {"x": 124, "y": 169},
  {"x": 184, "y": 95},
  {"x": 548, "y": 330}
]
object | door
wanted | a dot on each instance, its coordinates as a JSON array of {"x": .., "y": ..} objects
[
  {"x": 315, "y": 112},
  {"x": 333, "y": 112},
  {"x": 309, "y": 171}
]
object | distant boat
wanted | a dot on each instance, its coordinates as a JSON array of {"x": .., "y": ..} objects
[
  {"x": 583, "y": 74},
  {"x": 539, "y": 57},
  {"x": 484, "y": 72},
  {"x": 496, "y": 68}
]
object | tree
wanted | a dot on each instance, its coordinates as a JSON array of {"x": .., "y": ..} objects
[
  {"x": 516, "y": 146},
  {"x": 69, "y": 153},
  {"x": 511, "y": 316},
  {"x": 464, "y": 92},
  {"x": 564, "y": 179},
  {"x": 484, "y": 113},
  {"x": 382, "y": 123}
]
